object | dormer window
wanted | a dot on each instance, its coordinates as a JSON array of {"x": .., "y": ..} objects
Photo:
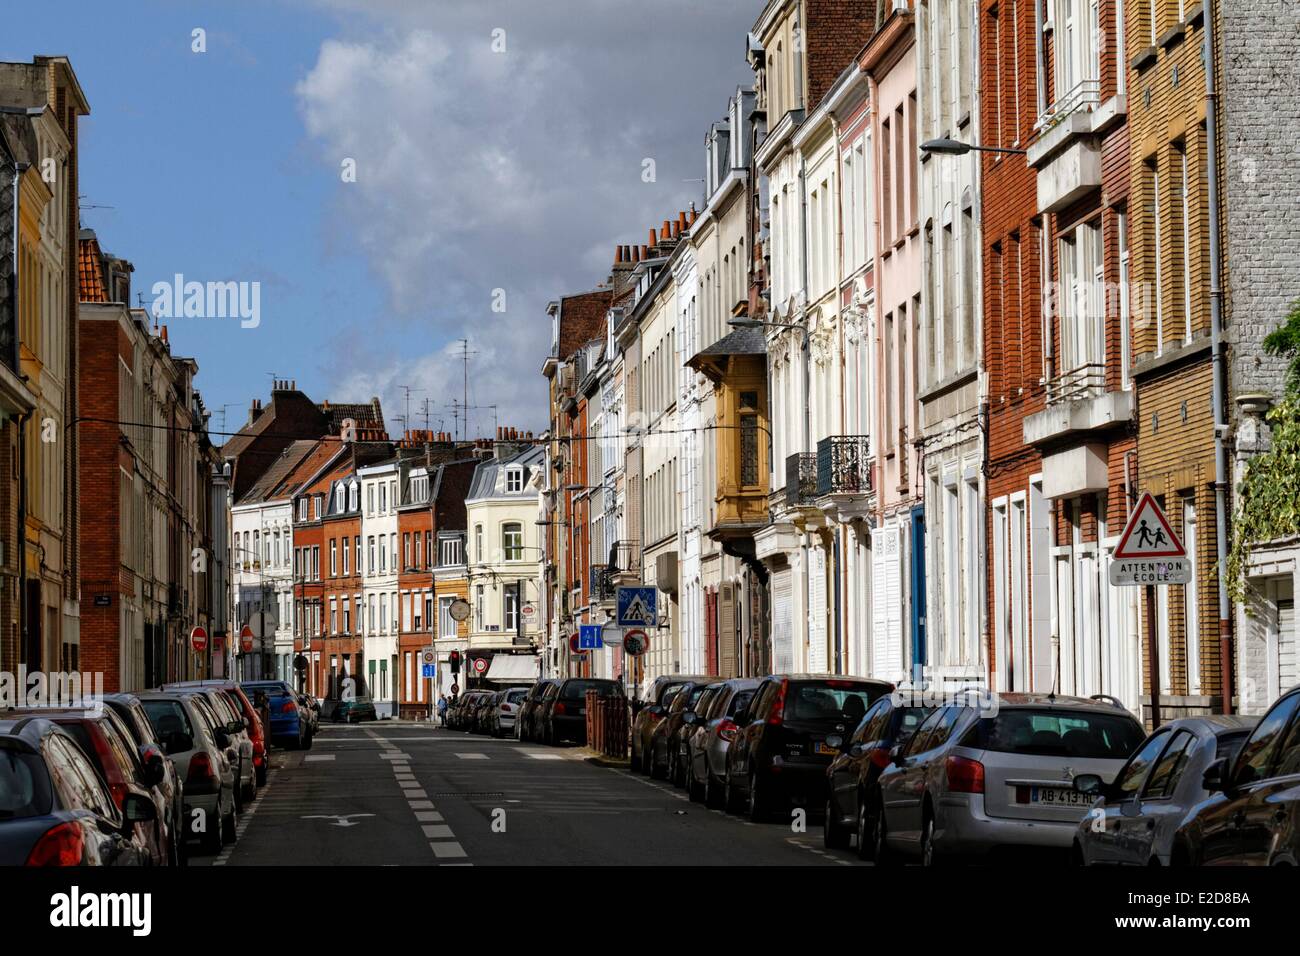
[
  {"x": 354, "y": 496},
  {"x": 514, "y": 480}
]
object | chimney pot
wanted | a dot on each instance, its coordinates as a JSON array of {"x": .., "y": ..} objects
[{"x": 653, "y": 239}]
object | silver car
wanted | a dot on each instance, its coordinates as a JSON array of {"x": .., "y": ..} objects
[
  {"x": 709, "y": 735},
  {"x": 1134, "y": 822},
  {"x": 200, "y": 753},
  {"x": 505, "y": 710},
  {"x": 980, "y": 778}
]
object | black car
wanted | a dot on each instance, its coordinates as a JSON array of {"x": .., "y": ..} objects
[
  {"x": 648, "y": 712},
  {"x": 55, "y": 809},
  {"x": 565, "y": 714},
  {"x": 136, "y": 721},
  {"x": 853, "y": 799},
  {"x": 526, "y": 722},
  {"x": 663, "y": 754},
  {"x": 780, "y": 755},
  {"x": 1253, "y": 818}
]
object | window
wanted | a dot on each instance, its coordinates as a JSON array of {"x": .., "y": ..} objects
[
  {"x": 370, "y": 555},
  {"x": 510, "y": 617},
  {"x": 1125, "y": 314},
  {"x": 1191, "y": 606},
  {"x": 514, "y": 480},
  {"x": 334, "y": 558},
  {"x": 478, "y": 543},
  {"x": 1158, "y": 259},
  {"x": 512, "y": 541},
  {"x": 478, "y": 605},
  {"x": 1256, "y": 756},
  {"x": 449, "y": 551},
  {"x": 383, "y": 553},
  {"x": 346, "y": 550},
  {"x": 1185, "y": 218},
  {"x": 446, "y": 623},
  {"x": 1164, "y": 778},
  {"x": 1135, "y": 771},
  {"x": 302, "y": 509},
  {"x": 749, "y": 457},
  {"x": 406, "y": 549}
]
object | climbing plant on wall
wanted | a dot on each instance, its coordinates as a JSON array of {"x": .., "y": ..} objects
[{"x": 1268, "y": 499}]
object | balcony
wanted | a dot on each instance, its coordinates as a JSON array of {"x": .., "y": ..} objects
[
  {"x": 1086, "y": 381},
  {"x": 800, "y": 479},
  {"x": 1078, "y": 403},
  {"x": 604, "y": 587},
  {"x": 844, "y": 465}
]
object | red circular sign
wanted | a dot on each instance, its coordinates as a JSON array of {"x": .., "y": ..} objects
[
  {"x": 480, "y": 664},
  {"x": 199, "y": 638},
  {"x": 246, "y": 639},
  {"x": 635, "y": 642},
  {"x": 573, "y": 645}
]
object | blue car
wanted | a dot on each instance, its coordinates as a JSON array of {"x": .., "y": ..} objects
[{"x": 289, "y": 725}]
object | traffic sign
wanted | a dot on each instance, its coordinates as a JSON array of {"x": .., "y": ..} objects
[
  {"x": 590, "y": 637},
  {"x": 575, "y": 644},
  {"x": 636, "y": 607},
  {"x": 199, "y": 638},
  {"x": 300, "y": 663},
  {"x": 480, "y": 665},
  {"x": 1149, "y": 552},
  {"x": 246, "y": 639},
  {"x": 428, "y": 656},
  {"x": 428, "y": 670},
  {"x": 530, "y": 614},
  {"x": 635, "y": 642}
]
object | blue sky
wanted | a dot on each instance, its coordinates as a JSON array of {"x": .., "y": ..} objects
[{"x": 477, "y": 169}]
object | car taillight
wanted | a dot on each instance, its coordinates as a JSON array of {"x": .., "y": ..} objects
[
  {"x": 559, "y": 708},
  {"x": 879, "y": 757},
  {"x": 506, "y": 708},
  {"x": 61, "y": 845},
  {"x": 288, "y": 707},
  {"x": 964, "y": 775},
  {"x": 778, "y": 708},
  {"x": 727, "y": 729},
  {"x": 200, "y": 769}
]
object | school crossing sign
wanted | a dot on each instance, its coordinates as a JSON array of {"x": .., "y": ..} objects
[{"x": 1149, "y": 553}]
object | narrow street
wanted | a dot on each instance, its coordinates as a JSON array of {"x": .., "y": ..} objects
[{"x": 415, "y": 795}]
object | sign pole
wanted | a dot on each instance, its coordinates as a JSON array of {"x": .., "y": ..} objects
[{"x": 1153, "y": 651}]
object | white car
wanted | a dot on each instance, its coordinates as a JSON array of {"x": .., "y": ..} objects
[{"x": 506, "y": 711}]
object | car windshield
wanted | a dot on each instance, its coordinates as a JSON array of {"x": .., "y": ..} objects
[
  {"x": 515, "y": 696},
  {"x": 168, "y": 717},
  {"x": 577, "y": 689},
  {"x": 24, "y": 785},
  {"x": 829, "y": 700},
  {"x": 1051, "y": 733}
]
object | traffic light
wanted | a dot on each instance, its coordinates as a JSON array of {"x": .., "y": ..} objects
[{"x": 454, "y": 660}]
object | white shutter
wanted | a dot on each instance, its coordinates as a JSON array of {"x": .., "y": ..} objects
[
  {"x": 887, "y": 607},
  {"x": 817, "y": 611},
  {"x": 782, "y": 623},
  {"x": 1288, "y": 672}
]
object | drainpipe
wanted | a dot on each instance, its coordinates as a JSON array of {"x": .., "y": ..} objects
[
  {"x": 21, "y": 536},
  {"x": 1216, "y": 345}
]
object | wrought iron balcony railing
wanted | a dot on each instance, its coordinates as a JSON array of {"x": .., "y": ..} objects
[
  {"x": 844, "y": 465},
  {"x": 603, "y": 586},
  {"x": 800, "y": 478},
  {"x": 1086, "y": 381}
]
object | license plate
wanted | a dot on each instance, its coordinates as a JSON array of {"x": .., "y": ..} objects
[
  {"x": 823, "y": 748},
  {"x": 1059, "y": 797}
]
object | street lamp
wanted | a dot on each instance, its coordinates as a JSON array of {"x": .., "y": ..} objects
[{"x": 953, "y": 147}]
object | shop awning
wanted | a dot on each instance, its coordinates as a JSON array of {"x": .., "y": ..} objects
[{"x": 513, "y": 669}]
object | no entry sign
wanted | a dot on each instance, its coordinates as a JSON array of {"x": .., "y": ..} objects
[{"x": 199, "y": 638}]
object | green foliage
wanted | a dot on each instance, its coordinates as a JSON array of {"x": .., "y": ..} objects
[{"x": 1269, "y": 495}]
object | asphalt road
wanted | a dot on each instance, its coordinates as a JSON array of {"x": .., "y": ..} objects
[{"x": 411, "y": 795}]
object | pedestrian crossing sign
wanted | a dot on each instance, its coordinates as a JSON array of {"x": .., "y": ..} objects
[
  {"x": 636, "y": 607},
  {"x": 1149, "y": 551}
]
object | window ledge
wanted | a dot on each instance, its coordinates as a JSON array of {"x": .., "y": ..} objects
[
  {"x": 1143, "y": 60},
  {"x": 1172, "y": 36}
]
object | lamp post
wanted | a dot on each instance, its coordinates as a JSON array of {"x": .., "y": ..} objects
[{"x": 953, "y": 147}]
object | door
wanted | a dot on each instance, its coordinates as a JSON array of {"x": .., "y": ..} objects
[
  {"x": 911, "y": 790},
  {"x": 1110, "y": 825},
  {"x": 1159, "y": 808}
]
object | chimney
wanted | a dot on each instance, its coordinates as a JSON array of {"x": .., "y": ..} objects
[
  {"x": 653, "y": 240},
  {"x": 162, "y": 334}
]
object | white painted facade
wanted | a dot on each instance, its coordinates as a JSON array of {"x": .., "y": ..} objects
[
  {"x": 380, "y": 500},
  {"x": 261, "y": 564}
]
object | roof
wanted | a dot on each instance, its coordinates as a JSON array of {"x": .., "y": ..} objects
[
  {"x": 360, "y": 412},
  {"x": 739, "y": 342},
  {"x": 321, "y": 452},
  {"x": 485, "y": 484},
  {"x": 266, "y": 486},
  {"x": 90, "y": 268}
]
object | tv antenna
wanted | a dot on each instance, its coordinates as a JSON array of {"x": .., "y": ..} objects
[{"x": 465, "y": 353}]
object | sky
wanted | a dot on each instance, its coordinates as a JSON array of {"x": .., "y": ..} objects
[{"x": 391, "y": 173}]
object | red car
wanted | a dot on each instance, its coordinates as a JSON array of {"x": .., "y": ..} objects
[{"x": 252, "y": 720}]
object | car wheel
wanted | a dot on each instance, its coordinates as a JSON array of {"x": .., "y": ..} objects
[
  {"x": 834, "y": 836},
  {"x": 261, "y": 775},
  {"x": 213, "y": 835},
  {"x": 928, "y": 855},
  {"x": 694, "y": 789},
  {"x": 757, "y": 809},
  {"x": 712, "y": 797},
  {"x": 730, "y": 797},
  {"x": 635, "y": 762},
  {"x": 883, "y": 856},
  {"x": 655, "y": 772},
  {"x": 239, "y": 790},
  {"x": 307, "y": 743},
  {"x": 229, "y": 831},
  {"x": 867, "y": 824}
]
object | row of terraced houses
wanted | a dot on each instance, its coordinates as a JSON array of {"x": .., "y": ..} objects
[{"x": 967, "y": 278}]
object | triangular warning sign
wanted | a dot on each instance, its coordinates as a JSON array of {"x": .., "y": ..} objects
[{"x": 1148, "y": 534}]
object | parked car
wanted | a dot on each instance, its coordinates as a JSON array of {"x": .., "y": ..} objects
[
  {"x": 1134, "y": 821},
  {"x": 136, "y": 721},
  {"x": 56, "y": 810},
  {"x": 309, "y": 708},
  {"x": 465, "y": 711},
  {"x": 200, "y": 751},
  {"x": 355, "y": 710},
  {"x": 291, "y": 724},
  {"x": 257, "y": 734},
  {"x": 1253, "y": 815},
  {"x": 853, "y": 797},
  {"x": 525, "y": 720},
  {"x": 225, "y": 715},
  {"x": 537, "y": 716},
  {"x": 505, "y": 711},
  {"x": 779, "y": 757},
  {"x": 661, "y": 756},
  {"x": 980, "y": 781},
  {"x": 711, "y": 735},
  {"x": 690, "y": 719},
  {"x": 483, "y": 709},
  {"x": 106, "y": 741},
  {"x": 650, "y": 710},
  {"x": 565, "y": 714}
]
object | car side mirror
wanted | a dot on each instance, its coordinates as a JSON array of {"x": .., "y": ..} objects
[
  {"x": 834, "y": 741},
  {"x": 154, "y": 771},
  {"x": 234, "y": 727},
  {"x": 1089, "y": 784},
  {"x": 221, "y": 738},
  {"x": 1215, "y": 777},
  {"x": 137, "y": 809}
]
